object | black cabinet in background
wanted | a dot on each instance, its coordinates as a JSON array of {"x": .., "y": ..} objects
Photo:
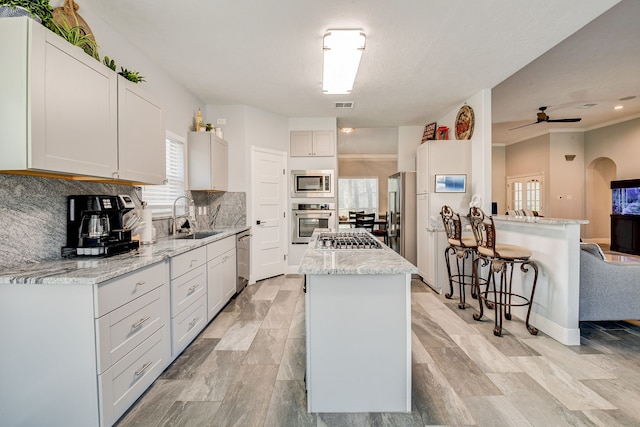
[{"x": 625, "y": 233}]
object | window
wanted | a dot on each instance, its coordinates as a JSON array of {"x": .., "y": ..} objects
[
  {"x": 357, "y": 194},
  {"x": 533, "y": 195},
  {"x": 517, "y": 195},
  {"x": 160, "y": 198},
  {"x": 526, "y": 192}
]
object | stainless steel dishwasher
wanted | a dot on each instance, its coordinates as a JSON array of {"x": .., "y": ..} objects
[{"x": 243, "y": 259}]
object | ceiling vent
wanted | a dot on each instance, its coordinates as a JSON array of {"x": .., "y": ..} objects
[{"x": 346, "y": 104}]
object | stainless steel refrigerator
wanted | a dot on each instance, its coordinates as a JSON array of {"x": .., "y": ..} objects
[{"x": 402, "y": 214}]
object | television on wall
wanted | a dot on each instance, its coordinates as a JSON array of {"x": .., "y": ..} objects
[
  {"x": 451, "y": 183},
  {"x": 625, "y": 197}
]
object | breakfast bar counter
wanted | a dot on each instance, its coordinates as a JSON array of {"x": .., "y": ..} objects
[
  {"x": 555, "y": 245},
  {"x": 358, "y": 320}
]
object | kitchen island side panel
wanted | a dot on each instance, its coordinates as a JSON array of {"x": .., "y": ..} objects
[
  {"x": 48, "y": 358},
  {"x": 358, "y": 343}
]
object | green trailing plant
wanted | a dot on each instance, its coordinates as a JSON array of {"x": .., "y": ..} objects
[
  {"x": 75, "y": 35},
  {"x": 109, "y": 62},
  {"x": 40, "y": 8},
  {"x": 132, "y": 76}
]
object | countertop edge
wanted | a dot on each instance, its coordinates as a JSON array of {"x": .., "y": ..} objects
[
  {"x": 91, "y": 271},
  {"x": 352, "y": 262}
]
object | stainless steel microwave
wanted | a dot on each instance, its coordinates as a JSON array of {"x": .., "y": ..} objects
[{"x": 312, "y": 183}]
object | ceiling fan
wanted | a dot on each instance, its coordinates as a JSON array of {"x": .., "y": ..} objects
[{"x": 542, "y": 117}]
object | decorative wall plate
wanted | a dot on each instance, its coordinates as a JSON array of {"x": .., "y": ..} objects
[{"x": 464, "y": 122}]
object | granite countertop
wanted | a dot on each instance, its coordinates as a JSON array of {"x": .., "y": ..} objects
[
  {"x": 89, "y": 271},
  {"x": 540, "y": 220},
  {"x": 352, "y": 261}
]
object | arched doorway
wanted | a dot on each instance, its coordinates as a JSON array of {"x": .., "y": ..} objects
[{"x": 599, "y": 174}]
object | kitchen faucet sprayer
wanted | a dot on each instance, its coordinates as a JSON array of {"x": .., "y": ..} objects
[{"x": 190, "y": 215}]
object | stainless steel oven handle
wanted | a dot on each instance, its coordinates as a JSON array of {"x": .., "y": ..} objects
[{"x": 313, "y": 214}]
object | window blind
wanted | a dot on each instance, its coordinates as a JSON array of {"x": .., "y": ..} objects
[{"x": 160, "y": 198}]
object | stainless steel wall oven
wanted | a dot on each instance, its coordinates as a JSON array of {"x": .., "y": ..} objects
[{"x": 306, "y": 217}]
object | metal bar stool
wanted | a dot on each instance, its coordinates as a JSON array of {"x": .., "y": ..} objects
[
  {"x": 501, "y": 260},
  {"x": 464, "y": 248}
]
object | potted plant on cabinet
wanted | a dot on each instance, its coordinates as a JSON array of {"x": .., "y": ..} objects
[
  {"x": 75, "y": 34},
  {"x": 40, "y": 10}
]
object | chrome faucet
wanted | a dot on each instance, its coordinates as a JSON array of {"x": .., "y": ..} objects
[{"x": 174, "y": 228}]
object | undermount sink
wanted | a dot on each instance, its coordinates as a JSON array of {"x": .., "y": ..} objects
[{"x": 199, "y": 235}]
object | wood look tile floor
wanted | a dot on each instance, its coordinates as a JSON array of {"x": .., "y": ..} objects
[{"x": 247, "y": 369}]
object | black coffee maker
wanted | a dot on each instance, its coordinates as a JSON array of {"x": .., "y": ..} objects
[{"x": 95, "y": 225}]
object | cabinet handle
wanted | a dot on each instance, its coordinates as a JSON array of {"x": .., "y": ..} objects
[
  {"x": 193, "y": 322},
  {"x": 193, "y": 288},
  {"x": 140, "y": 322},
  {"x": 192, "y": 261},
  {"x": 141, "y": 370},
  {"x": 140, "y": 283}
]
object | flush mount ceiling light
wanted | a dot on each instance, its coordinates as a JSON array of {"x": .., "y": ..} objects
[
  {"x": 342, "y": 52},
  {"x": 347, "y": 130}
]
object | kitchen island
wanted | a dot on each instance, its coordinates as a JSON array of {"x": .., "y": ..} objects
[{"x": 358, "y": 320}]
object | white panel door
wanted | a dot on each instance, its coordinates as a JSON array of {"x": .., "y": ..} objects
[{"x": 269, "y": 221}]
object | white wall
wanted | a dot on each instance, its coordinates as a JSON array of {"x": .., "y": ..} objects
[
  {"x": 481, "y": 143},
  {"x": 620, "y": 143},
  {"x": 498, "y": 177},
  {"x": 566, "y": 178},
  {"x": 409, "y": 138},
  {"x": 246, "y": 126},
  {"x": 369, "y": 141}
]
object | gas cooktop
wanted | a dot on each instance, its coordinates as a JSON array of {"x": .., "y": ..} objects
[{"x": 347, "y": 240}]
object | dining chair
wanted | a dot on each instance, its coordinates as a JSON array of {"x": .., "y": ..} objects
[
  {"x": 381, "y": 229},
  {"x": 366, "y": 221},
  {"x": 352, "y": 216}
]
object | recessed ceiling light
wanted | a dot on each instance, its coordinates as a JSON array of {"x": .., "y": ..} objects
[
  {"x": 347, "y": 130},
  {"x": 618, "y": 107},
  {"x": 626, "y": 98}
]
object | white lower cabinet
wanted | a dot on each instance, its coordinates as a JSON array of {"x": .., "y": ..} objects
[
  {"x": 188, "y": 298},
  {"x": 221, "y": 274},
  {"x": 81, "y": 354},
  {"x": 133, "y": 342}
]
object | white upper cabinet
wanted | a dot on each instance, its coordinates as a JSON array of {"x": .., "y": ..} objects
[
  {"x": 58, "y": 111},
  {"x": 64, "y": 112},
  {"x": 208, "y": 162},
  {"x": 141, "y": 139},
  {"x": 318, "y": 143}
]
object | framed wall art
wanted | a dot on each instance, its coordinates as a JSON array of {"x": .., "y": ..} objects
[
  {"x": 429, "y": 132},
  {"x": 451, "y": 183},
  {"x": 443, "y": 133}
]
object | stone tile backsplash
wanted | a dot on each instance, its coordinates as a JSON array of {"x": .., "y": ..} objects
[{"x": 33, "y": 214}]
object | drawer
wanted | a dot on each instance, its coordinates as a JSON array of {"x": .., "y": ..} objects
[
  {"x": 124, "y": 328},
  {"x": 186, "y": 326},
  {"x": 188, "y": 288},
  {"x": 219, "y": 247},
  {"x": 183, "y": 263},
  {"x": 128, "y": 378},
  {"x": 117, "y": 292}
]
